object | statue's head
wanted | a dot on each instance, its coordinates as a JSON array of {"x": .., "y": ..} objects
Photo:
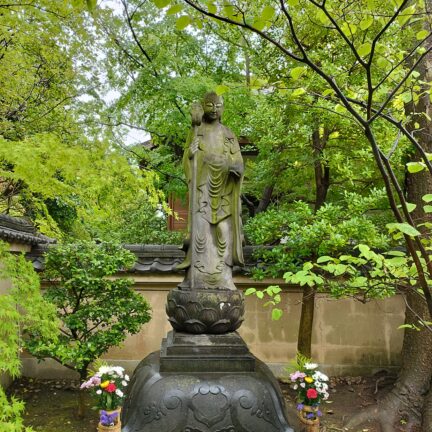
[{"x": 213, "y": 106}]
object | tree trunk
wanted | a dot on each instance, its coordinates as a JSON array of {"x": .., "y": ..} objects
[
  {"x": 322, "y": 170},
  {"x": 304, "y": 342},
  {"x": 81, "y": 402},
  {"x": 265, "y": 199},
  {"x": 411, "y": 397},
  {"x": 322, "y": 184},
  {"x": 406, "y": 400}
]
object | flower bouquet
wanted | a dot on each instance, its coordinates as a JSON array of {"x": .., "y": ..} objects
[
  {"x": 311, "y": 386},
  {"x": 107, "y": 385}
]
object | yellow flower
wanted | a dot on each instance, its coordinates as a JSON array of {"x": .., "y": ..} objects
[
  {"x": 309, "y": 380},
  {"x": 105, "y": 384}
]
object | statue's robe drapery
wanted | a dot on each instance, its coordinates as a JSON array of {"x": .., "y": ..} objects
[{"x": 217, "y": 221}]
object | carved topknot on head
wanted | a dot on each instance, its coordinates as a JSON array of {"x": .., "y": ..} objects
[{"x": 212, "y": 97}]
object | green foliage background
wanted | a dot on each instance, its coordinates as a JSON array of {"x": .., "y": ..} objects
[{"x": 22, "y": 310}]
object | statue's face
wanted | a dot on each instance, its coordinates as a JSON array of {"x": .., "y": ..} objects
[{"x": 213, "y": 108}]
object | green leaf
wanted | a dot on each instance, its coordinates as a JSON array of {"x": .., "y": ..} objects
[
  {"x": 91, "y": 5},
  {"x": 395, "y": 253},
  {"x": 364, "y": 49},
  {"x": 298, "y": 92},
  {"x": 340, "y": 269},
  {"x": 161, "y": 3},
  {"x": 322, "y": 17},
  {"x": 366, "y": 22},
  {"x": 340, "y": 109},
  {"x": 260, "y": 294},
  {"x": 293, "y": 3},
  {"x": 404, "y": 228},
  {"x": 307, "y": 266},
  {"x": 364, "y": 249},
  {"x": 427, "y": 198},
  {"x": 348, "y": 29},
  {"x": 427, "y": 208},
  {"x": 397, "y": 261},
  {"x": 324, "y": 258},
  {"x": 297, "y": 72},
  {"x": 411, "y": 206},
  {"x": 230, "y": 11},
  {"x": 406, "y": 97},
  {"x": 182, "y": 22},
  {"x": 221, "y": 89},
  {"x": 408, "y": 326},
  {"x": 267, "y": 13},
  {"x": 250, "y": 291},
  {"x": 276, "y": 314},
  {"x": 259, "y": 24},
  {"x": 414, "y": 167},
  {"x": 211, "y": 7},
  {"x": 382, "y": 62},
  {"x": 174, "y": 9},
  {"x": 274, "y": 289},
  {"x": 421, "y": 34},
  {"x": 406, "y": 15}
]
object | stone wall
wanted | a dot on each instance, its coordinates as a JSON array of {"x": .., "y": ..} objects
[{"x": 349, "y": 337}]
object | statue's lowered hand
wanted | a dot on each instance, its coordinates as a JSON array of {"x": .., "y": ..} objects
[{"x": 236, "y": 170}]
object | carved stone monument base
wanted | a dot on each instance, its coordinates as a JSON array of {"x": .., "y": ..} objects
[
  {"x": 203, "y": 383},
  {"x": 205, "y": 311}
]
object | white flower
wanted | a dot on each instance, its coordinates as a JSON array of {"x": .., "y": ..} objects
[
  {"x": 310, "y": 366},
  {"x": 302, "y": 385},
  {"x": 124, "y": 383},
  {"x": 295, "y": 387},
  {"x": 119, "y": 393},
  {"x": 118, "y": 370},
  {"x": 126, "y": 377},
  {"x": 98, "y": 392},
  {"x": 104, "y": 370},
  {"x": 283, "y": 240},
  {"x": 319, "y": 376}
]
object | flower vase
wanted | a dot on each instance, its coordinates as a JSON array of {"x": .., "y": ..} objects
[
  {"x": 116, "y": 427},
  {"x": 311, "y": 422}
]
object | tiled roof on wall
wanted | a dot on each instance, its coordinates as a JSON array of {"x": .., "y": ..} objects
[
  {"x": 150, "y": 258},
  {"x": 20, "y": 230}
]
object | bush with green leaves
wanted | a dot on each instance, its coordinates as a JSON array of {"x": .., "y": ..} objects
[
  {"x": 297, "y": 234},
  {"x": 137, "y": 222},
  {"x": 22, "y": 308},
  {"x": 97, "y": 309}
]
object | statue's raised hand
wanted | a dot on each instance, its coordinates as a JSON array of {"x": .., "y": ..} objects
[
  {"x": 197, "y": 113},
  {"x": 193, "y": 148}
]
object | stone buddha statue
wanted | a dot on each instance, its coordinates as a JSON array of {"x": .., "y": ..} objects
[{"x": 212, "y": 155}]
